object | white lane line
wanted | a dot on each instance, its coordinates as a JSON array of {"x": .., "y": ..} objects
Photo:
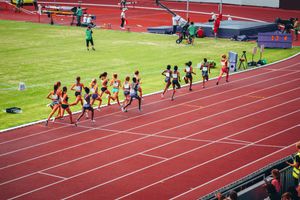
[
  {"x": 153, "y": 156},
  {"x": 47, "y": 174}
]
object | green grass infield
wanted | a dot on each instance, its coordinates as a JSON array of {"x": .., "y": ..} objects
[{"x": 40, "y": 55}]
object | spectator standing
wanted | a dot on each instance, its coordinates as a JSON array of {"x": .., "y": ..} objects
[
  {"x": 296, "y": 165},
  {"x": 122, "y": 4},
  {"x": 216, "y": 26},
  {"x": 175, "y": 20},
  {"x": 89, "y": 38},
  {"x": 78, "y": 15},
  {"x": 200, "y": 32},
  {"x": 213, "y": 17},
  {"x": 84, "y": 19},
  {"x": 192, "y": 33},
  {"x": 273, "y": 187},
  {"x": 123, "y": 18}
]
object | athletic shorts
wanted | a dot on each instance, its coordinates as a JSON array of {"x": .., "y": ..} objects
[
  {"x": 205, "y": 74},
  {"x": 126, "y": 93},
  {"x": 87, "y": 107},
  {"x": 224, "y": 70},
  {"x": 103, "y": 89},
  {"x": 53, "y": 103},
  {"x": 94, "y": 96},
  {"x": 77, "y": 94},
  {"x": 175, "y": 82},
  {"x": 64, "y": 106},
  {"x": 167, "y": 79},
  {"x": 189, "y": 76},
  {"x": 114, "y": 90}
]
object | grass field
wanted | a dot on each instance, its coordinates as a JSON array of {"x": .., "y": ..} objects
[{"x": 40, "y": 54}]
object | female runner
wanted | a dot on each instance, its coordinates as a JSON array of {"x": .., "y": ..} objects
[
  {"x": 126, "y": 89},
  {"x": 167, "y": 73},
  {"x": 138, "y": 79},
  {"x": 54, "y": 97},
  {"x": 104, "y": 89},
  {"x": 188, "y": 76},
  {"x": 86, "y": 106},
  {"x": 77, "y": 87},
  {"x": 116, "y": 83},
  {"x": 224, "y": 69},
  {"x": 176, "y": 77},
  {"x": 95, "y": 94},
  {"x": 205, "y": 68},
  {"x": 65, "y": 105},
  {"x": 133, "y": 94}
]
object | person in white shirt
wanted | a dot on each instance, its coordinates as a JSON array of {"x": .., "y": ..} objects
[
  {"x": 175, "y": 21},
  {"x": 213, "y": 17},
  {"x": 229, "y": 18},
  {"x": 123, "y": 18},
  {"x": 84, "y": 20}
]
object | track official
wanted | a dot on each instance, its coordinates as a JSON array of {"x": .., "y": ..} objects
[{"x": 296, "y": 165}]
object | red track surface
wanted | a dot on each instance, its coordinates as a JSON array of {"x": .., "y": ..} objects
[{"x": 180, "y": 149}]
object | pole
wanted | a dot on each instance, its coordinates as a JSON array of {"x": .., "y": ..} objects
[
  {"x": 187, "y": 9},
  {"x": 220, "y": 7}
]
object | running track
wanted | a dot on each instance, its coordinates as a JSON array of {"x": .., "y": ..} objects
[{"x": 184, "y": 149}]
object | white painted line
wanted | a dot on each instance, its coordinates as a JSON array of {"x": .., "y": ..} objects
[
  {"x": 241, "y": 141},
  {"x": 47, "y": 174},
  {"x": 204, "y": 163},
  {"x": 153, "y": 156}
]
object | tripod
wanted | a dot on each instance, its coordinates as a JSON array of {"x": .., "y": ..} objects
[{"x": 243, "y": 59}]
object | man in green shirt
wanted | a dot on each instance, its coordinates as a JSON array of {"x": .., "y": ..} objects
[
  {"x": 192, "y": 33},
  {"x": 89, "y": 38},
  {"x": 78, "y": 15}
]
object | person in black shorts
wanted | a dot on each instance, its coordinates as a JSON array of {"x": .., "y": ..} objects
[
  {"x": 175, "y": 83},
  {"x": 205, "y": 68},
  {"x": 167, "y": 73},
  {"x": 104, "y": 84},
  {"x": 86, "y": 106},
  {"x": 188, "y": 76},
  {"x": 133, "y": 94}
]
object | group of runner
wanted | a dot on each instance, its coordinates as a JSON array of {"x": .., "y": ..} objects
[
  {"x": 173, "y": 77},
  {"x": 131, "y": 90},
  {"x": 88, "y": 95}
]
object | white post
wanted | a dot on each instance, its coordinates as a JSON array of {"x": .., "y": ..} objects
[
  {"x": 220, "y": 6},
  {"x": 187, "y": 9}
]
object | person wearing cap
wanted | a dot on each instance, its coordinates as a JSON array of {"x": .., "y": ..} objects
[{"x": 89, "y": 38}]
